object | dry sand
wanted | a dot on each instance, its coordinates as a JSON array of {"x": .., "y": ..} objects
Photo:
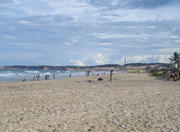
[{"x": 132, "y": 102}]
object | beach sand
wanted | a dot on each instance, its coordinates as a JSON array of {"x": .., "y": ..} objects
[{"x": 132, "y": 102}]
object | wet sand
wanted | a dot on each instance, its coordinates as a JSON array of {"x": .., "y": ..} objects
[{"x": 131, "y": 103}]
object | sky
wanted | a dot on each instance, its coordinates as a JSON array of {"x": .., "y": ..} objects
[{"x": 88, "y": 32}]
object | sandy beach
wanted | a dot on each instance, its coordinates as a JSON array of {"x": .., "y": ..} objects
[{"x": 131, "y": 103}]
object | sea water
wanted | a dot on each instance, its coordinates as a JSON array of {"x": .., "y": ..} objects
[{"x": 14, "y": 75}]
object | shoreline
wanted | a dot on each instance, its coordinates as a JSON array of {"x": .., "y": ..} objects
[
  {"x": 78, "y": 76},
  {"x": 33, "y": 75}
]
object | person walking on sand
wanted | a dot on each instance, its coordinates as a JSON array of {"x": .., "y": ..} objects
[
  {"x": 54, "y": 76},
  {"x": 24, "y": 80},
  {"x": 34, "y": 77},
  {"x": 87, "y": 73},
  {"x": 46, "y": 77},
  {"x": 38, "y": 77},
  {"x": 111, "y": 72},
  {"x": 172, "y": 76},
  {"x": 69, "y": 75}
]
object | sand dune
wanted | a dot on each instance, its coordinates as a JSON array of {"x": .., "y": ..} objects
[{"x": 132, "y": 102}]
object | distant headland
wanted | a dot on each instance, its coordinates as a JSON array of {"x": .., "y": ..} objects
[{"x": 96, "y": 67}]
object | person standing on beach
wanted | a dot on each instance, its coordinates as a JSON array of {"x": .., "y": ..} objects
[
  {"x": 111, "y": 72},
  {"x": 38, "y": 77},
  {"x": 24, "y": 80},
  {"x": 54, "y": 76},
  {"x": 46, "y": 77},
  {"x": 34, "y": 78},
  {"x": 69, "y": 75},
  {"x": 88, "y": 73}
]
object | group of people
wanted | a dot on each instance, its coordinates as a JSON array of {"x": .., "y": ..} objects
[
  {"x": 110, "y": 78},
  {"x": 46, "y": 77},
  {"x": 37, "y": 77},
  {"x": 173, "y": 76},
  {"x": 87, "y": 73}
]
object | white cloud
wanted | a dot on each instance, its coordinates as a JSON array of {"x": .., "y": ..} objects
[
  {"x": 68, "y": 43},
  {"x": 24, "y": 22},
  {"x": 121, "y": 61},
  {"x": 77, "y": 62},
  {"x": 20, "y": 56},
  {"x": 168, "y": 50},
  {"x": 17, "y": 2},
  {"x": 105, "y": 44},
  {"x": 137, "y": 59},
  {"x": 162, "y": 58},
  {"x": 108, "y": 49},
  {"x": 92, "y": 59},
  {"x": 177, "y": 41},
  {"x": 84, "y": 10},
  {"x": 158, "y": 45},
  {"x": 151, "y": 27},
  {"x": 173, "y": 29},
  {"x": 71, "y": 42},
  {"x": 118, "y": 35},
  {"x": 165, "y": 34},
  {"x": 144, "y": 59},
  {"x": 77, "y": 9},
  {"x": 138, "y": 15},
  {"x": 100, "y": 59},
  {"x": 61, "y": 21},
  {"x": 175, "y": 36},
  {"x": 9, "y": 37}
]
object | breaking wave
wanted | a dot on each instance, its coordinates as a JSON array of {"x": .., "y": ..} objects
[{"x": 32, "y": 72}]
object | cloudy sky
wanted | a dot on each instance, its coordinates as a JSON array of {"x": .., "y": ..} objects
[{"x": 88, "y": 32}]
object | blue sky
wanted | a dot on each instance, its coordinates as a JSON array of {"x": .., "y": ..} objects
[{"x": 88, "y": 32}]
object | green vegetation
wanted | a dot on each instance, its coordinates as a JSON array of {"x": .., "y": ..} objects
[
  {"x": 174, "y": 70},
  {"x": 157, "y": 75},
  {"x": 175, "y": 58},
  {"x": 175, "y": 61}
]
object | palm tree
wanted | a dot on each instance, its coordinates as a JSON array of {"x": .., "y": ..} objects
[{"x": 175, "y": 58}]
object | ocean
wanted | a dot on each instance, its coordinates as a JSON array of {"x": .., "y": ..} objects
[{"x": 15, "y": 75}]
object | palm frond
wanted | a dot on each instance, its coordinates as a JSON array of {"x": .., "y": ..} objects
[{"x": 175, "y": 57}]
